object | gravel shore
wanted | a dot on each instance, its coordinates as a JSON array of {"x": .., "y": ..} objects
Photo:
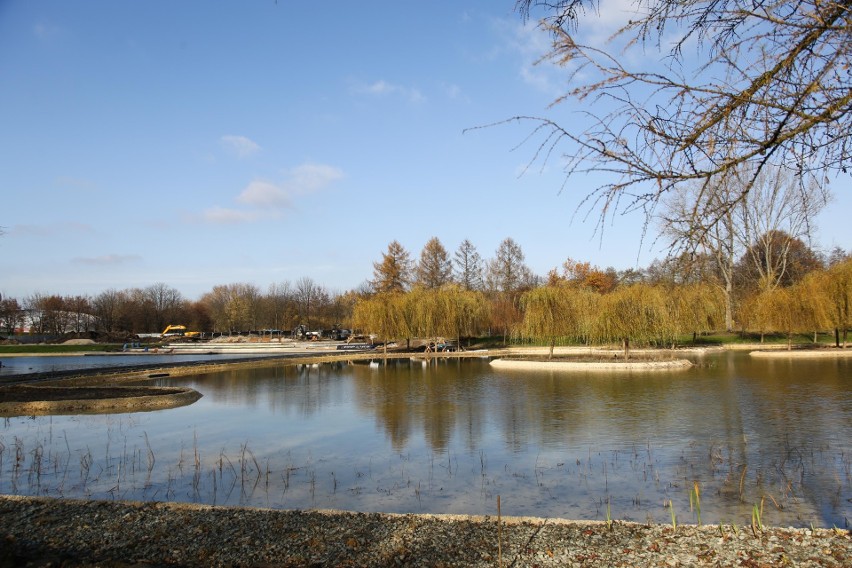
[{"x": 56, "y": 532}]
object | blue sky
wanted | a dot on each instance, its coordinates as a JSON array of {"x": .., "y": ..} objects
[{"x": 202, "y": 143}]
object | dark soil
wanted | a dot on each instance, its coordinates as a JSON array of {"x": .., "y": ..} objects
[{"x": 27, "y": 393}]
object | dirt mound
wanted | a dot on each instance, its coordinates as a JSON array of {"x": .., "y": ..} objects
[{"x": 79, "y": 342}]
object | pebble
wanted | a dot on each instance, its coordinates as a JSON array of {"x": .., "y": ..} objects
[{"x": 40, "y": 532}]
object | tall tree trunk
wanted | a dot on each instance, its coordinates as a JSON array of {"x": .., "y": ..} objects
[
  {"x": 729, "y": 310},
  {"x": 626, "y": 344}
]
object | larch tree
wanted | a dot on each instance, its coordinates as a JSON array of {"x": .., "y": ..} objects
[
  {"x": 434, "y": 268},
  {"x": 506, "y": 277},
  {"x": 507, "y": 272},
  {"x": 718, "y": 86},
  {"x": 468, "y": 266},
  {"x": 394, "y": 272}
]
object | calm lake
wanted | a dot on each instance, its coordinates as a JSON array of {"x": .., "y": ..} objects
[{"x": 450, "y": 436}]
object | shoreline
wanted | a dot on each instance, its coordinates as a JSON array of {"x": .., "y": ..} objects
[
  {"x": 627, "y": 365},
  {"x": 40, "y": 531}
]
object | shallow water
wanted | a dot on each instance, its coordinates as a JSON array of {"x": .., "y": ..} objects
[
  {"x": 448, "y": 437},
  {"x": 24, "y": 364}
]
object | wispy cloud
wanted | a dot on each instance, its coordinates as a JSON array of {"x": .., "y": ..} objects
[
  {"x": 312, "y": 177},
  {"x": 306, "y": 178},
  {"x": 264, "y": 194},
  {"x": 53, "y": 230},
  {"x": 240, "y": 145},
  {"x": 107, "y": 260},
  {"x": 382, "y": 88},
  {"x": 265, "y": 199},
  {"x": 44, "y": 31}
]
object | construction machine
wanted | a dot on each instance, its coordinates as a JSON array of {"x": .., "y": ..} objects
[{"x": 179, "y": 331}]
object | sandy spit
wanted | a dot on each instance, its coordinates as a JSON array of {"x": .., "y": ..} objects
[
  {"x": 803, "y": 354},
  {"x": 530, "y": 365}
]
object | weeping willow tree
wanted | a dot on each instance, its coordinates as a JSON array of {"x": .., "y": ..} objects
[
  {"x": 839, "y": 299},
  {"x": 694, "y": 308},
  {"x": 559, "y": 314},
  {"x": 632, "y": 313},
  {"x": 462, "y": 311},
  {"x": 812, "y": 302},
  {"x": 756, "y": 313},
  {"x": 546, "y": 315},
  {"x": 382, "y": 314},
  {"x": 449, "y": 311}
]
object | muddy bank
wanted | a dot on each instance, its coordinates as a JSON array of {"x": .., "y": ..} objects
[{"x": 32, "y": 400}]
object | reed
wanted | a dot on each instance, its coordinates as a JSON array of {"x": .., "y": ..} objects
[
  {"x": 756, "y": 517},
  {"x": 673, "y": 515},
  {"x": 695, "y": 500},
  {"x": 608, "y": 514},
  {"x": 44, "y": 463}
]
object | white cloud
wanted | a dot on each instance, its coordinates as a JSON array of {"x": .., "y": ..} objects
[
  {"x": 382, "y": 88},
  {"x": 265, "y": 199},
  {"x": 107, "y": 260},
  {"x": 306, "y": 178},
  {"x": 240, "y": 145},
  {"x": 264, "y": 194}
]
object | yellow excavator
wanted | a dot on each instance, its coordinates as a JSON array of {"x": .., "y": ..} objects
[{"x": 180, "y": 331}]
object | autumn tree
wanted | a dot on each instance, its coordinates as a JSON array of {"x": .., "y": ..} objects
[
  {"x": 434, "y": 268},
  {"x": 585, "y": 275},
  {"x": 394, "y": 272},
  {"x": 507, "y": 272},
  {"x": 719, "y": 86},
  {"x": 468, "y": 266},
  {"x": 11, "y": 315}
]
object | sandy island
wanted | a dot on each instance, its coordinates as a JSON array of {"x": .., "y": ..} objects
[{"x": 628, "y": 365}]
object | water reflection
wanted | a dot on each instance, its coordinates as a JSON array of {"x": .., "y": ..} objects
[{"x": 449, "y": 435}]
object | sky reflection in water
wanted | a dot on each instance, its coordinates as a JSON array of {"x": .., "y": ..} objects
[{"x": 448, "y": 437}]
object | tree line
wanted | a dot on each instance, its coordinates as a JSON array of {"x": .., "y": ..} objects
[{"x": 463, "y": 295}]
